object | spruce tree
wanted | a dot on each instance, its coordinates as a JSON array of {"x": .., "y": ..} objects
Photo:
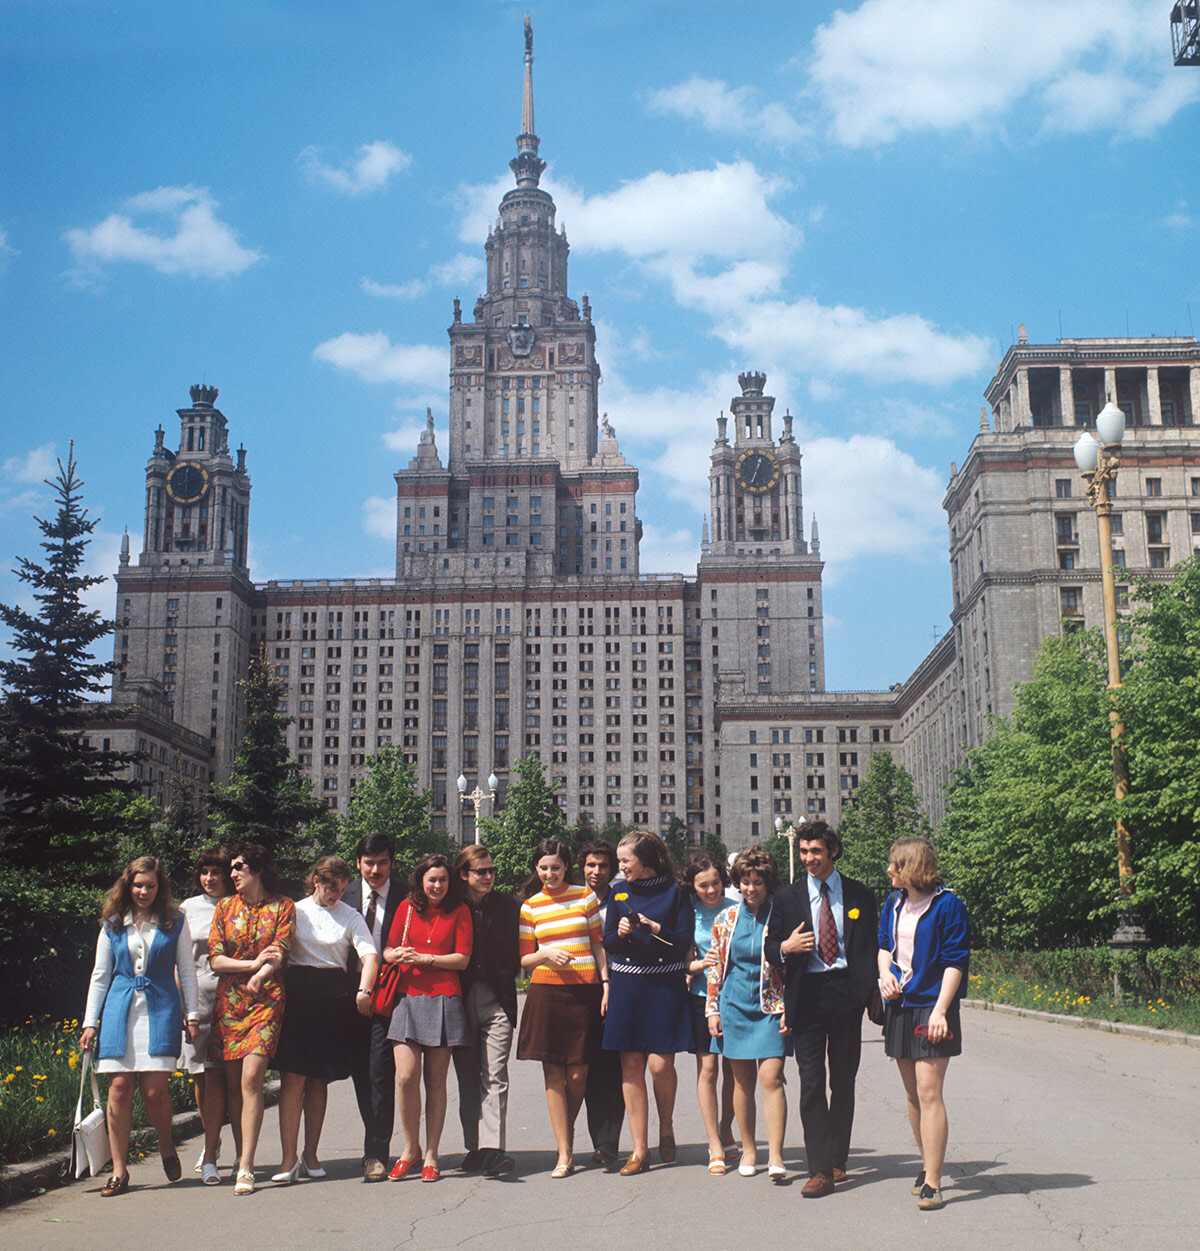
[
  {"x": 266, "y": 800},
  {"x": 47, "y": 768}
]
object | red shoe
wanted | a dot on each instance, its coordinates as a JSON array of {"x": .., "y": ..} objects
[
  {"x": 401, "y": 1169},
  {"x": 430, "y": 1172}
]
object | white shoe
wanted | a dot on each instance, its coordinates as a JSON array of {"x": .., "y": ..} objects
[
  {"x": 286, "y": 1178},
  {"x": 315, "y": 1173},
  {"x": 198, "y": 1167},
  {"x": 209, "y": 1174}
]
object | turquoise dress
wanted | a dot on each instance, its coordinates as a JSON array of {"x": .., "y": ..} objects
[{"x": 748, "y": 1033}]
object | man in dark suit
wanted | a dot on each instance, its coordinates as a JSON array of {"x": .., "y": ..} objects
[
  {"x": 489, "y": 987},
  {"x": 823, "y": 933},
  {"x": 373, "y": 1065}
]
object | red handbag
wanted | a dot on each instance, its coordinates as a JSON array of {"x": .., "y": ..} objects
[{"x": 390, "y": 983}]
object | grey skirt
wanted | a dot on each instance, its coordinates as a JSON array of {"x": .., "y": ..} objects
[{"x": 430, "y": 1021}]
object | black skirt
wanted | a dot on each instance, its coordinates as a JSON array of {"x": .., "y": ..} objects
[
  {"x": 315, "y": 1039},
  {"x": 904, "y": 1036}
]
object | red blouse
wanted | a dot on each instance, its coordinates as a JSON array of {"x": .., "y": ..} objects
[{"x": 438, "y": 933}]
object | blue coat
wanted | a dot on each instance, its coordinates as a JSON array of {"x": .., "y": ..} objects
[
  {"x": 158, "y": 983},
  {"x": 942, "y": 940}
]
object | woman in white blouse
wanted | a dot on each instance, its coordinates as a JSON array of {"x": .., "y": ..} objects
[
  {"x": 314, "y": 1044},
  {"x": 208, "y": 1075},
  {"x": 133, "y": 1007}
]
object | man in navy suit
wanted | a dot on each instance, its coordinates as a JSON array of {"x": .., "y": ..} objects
[
  {"x": 373, "y": 1065},
  {"x": 823, "y": 934}
]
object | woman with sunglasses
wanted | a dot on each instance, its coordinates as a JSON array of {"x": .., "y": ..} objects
[
  {"x": 251, "y": 934},
  {"x": 924, "y": 957}
]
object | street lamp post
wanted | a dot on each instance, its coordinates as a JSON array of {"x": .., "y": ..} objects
[
  {"x": 1098, "y": 461},
  {"x": 478, "y": 797},
  {"x": 791, "y": 833}
]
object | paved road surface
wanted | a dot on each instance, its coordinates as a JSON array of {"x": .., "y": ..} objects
[{"x": 1059, "y": 1138}]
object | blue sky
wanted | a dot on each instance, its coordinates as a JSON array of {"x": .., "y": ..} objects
[{"x": 283, "y": 200}]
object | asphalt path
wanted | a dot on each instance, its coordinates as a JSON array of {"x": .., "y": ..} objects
[{"x": 1058, "y": 1138}]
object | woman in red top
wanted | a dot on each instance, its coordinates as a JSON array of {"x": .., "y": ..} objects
[{"x": 431, "y": 939}]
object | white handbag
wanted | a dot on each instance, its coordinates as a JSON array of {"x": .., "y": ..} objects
[{"x": 89, "y": 1140}]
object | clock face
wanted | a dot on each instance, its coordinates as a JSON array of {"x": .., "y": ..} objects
[
  {"x": 187, "y": 483},
  {"x": 757, "y": 471}
]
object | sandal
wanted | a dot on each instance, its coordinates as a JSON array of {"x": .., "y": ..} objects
[
  {"x": 245, "y": 1182},
  {"x": 716, "y": 1165},
  {"x": 115, "y": 1186}
]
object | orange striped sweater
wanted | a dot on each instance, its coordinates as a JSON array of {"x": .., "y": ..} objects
[{"x": 570, "y": 918}]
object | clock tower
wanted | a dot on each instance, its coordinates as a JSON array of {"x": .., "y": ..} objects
[{"x": 760, "y": 577}]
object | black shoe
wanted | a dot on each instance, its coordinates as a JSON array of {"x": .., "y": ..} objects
[
  {"x": 919, "y": 1184},
  {"x": 473, "y": 1161},
  {"x": 498, "y": 1164},
  {"x": 930, "y": 1200}
]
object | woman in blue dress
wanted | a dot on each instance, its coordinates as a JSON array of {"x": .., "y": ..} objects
[
  {"x": 648, "y": 935},
  {"x": 705, "y": 879},
  {"x": 745, "y": 1009}
]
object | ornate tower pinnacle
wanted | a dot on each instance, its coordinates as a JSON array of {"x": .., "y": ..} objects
[{"x": 527, "y": 166}]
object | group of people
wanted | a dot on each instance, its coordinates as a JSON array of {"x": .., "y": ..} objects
[{"x": 634, "y": 965}]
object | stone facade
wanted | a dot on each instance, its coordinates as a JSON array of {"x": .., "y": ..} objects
[{"x": 519, "y": 622}]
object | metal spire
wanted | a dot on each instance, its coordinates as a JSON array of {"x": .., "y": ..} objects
[{"x": 527, "y": 165}]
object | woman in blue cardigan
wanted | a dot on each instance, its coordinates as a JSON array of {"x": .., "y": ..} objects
[
  {"x": 924, "y": 957},
  {"x": 134, "y": 1008}
]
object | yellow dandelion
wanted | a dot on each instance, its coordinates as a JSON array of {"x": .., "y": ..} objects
[
  {"x": 51, "y": 1132},
  {"x": 39, "y": 1099},
  {"x": 72, "y": 1060},
  {"x": 19, "y": 1068}
]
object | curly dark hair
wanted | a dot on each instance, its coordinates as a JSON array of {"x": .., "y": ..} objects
[
  {"x": 258, "y": 860},
  {"x": 755, "y": 860},
  {"x": 814, "y": 831},
  {"x": 701, "y": 862},
  {"x": 416, "y": 883},
  {"x": 598, "y": 847}
]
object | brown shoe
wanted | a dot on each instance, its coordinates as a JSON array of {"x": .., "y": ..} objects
[
  {"x": 115, "y": 1186},
  {"x": 666, "y": 1148},
  {"x": 817, "y": 1187},
  {"x": 374, "y": 1170},
  {"x": 634, "y": 1165},
  {"x": 839, "y": 1175}
]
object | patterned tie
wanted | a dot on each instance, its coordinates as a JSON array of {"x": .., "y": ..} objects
[
  {"x": 827, "y": 944},
  {"x": 372, "y": 908}
]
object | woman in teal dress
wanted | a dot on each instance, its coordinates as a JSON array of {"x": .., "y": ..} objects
[{"x": 745, "y": 1009}]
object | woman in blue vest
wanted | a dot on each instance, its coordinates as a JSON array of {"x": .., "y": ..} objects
[{"x": 134, "y": 1008}]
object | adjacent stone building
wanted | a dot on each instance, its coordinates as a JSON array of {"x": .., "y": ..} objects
[{"x": 518, "y": 620}]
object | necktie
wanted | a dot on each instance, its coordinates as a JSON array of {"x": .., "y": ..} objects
[
  {"x": 827, "y": 944},
  {"x": 372, "y": 908}
]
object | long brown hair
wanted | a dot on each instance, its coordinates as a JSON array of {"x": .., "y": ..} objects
[
  {"x": 547, "y": 847},
  {"x": 119, "y": 899}
]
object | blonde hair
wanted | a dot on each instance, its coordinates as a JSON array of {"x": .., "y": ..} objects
[{"x": 916, "y": 863}]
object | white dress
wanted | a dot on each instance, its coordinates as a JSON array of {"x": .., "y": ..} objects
[
  {"x": 137, "y": 1057},
  {"x": 199, "y": 911}
]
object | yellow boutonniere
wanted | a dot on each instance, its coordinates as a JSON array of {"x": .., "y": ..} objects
[
  {"x": 621, "y": 897},
  {"x": 853, "y": 914}
]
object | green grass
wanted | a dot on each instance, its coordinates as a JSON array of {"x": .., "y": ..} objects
[
  {"x": 1161, "y": 1013},
  {"x": 39, "y": 1084}
]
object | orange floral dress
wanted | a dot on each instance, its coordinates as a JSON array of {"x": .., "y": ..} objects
[{"x": 245, "y": 1024}]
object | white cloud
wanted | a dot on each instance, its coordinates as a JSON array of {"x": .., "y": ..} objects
[
  {"x": 1181, "y": 218},
  {"x": 375, "y": 164},
  {"x": 458, "y": 271},
  {"x": 379, "y": 517},
  {"x": 728, "y": 110},
  {"x": 871, "y": 499},
  {"x": 7, "y": 251},
  {"x": 202, "y": 246},
  {"x": 896, "y": 66},
  {"x": 405, "y": 438},
  {"x": 35, "y": 466},
  {"x": 375, "y": 358},
  {"x": 668, "y": 551}
]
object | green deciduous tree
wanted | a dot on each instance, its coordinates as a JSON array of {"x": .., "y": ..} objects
[
  {"x": 388, "y": 801},
  {"x": 1160, "y": 704},
  {"x": 886, "y": 807},
  {"x": 1027, "y": 838},
  {"x": 267, "y": 799},
  {"x": 530, "y": 815},
  {"x": 47, "y": 768}
]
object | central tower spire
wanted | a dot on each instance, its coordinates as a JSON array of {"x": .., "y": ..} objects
[{"x": 527, "y": 166}]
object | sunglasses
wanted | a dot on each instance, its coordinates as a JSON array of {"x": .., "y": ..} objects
[
  {"x": 488, "y": 872},
  {"x": 240, "y": 866}
]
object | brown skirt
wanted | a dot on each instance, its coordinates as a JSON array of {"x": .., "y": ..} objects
[{"x": 559, "y": 1024}]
